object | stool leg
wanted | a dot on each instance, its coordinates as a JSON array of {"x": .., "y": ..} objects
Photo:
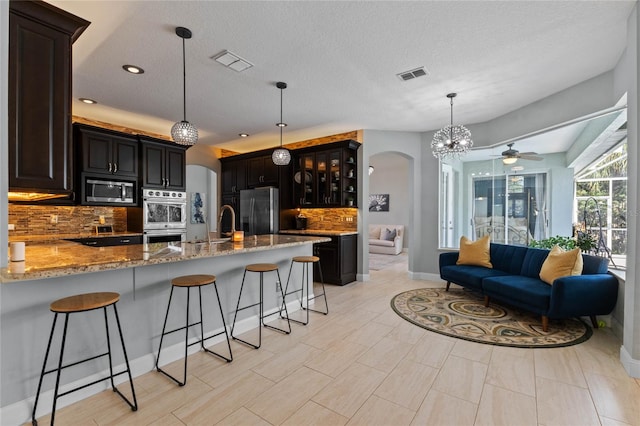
[
  {"x": 286, "y": 289},
  {"x": 224, "y": 325},
  {"x": 236, "y": 316},
  {"x": 164, "y": 327},
  {"x": 324, "y": 293},
  {"x": 134, "y": 406},
  {"x": 285, "y": 308},
  {"x": 55, "y": 392},
  {"x": 44, "y": 367},
  {"x": 106, "y": 327}
]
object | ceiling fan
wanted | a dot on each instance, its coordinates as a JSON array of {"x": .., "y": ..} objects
[{"x": 510, "y": 156}]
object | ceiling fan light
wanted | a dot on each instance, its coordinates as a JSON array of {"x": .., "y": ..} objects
[{"x": 509, "y": 160}]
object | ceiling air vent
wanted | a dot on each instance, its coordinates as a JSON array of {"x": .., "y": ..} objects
[
  {"x": 233, "y": 61},
  {"x": 410, "y": 75}
]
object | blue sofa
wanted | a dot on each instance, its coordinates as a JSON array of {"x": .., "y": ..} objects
[{"x": 515, "y": 280}]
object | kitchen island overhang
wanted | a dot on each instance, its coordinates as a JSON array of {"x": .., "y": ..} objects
[{"x": 144, "y": 286}]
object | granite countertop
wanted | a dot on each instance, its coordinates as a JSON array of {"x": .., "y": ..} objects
[
  {"x": 60, "y": 257},
  {"x": 321, "y": 232},
  {"x": 58, "y": 237}
]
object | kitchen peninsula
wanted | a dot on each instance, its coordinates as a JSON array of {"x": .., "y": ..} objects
[{"x": 141, "y": 274}]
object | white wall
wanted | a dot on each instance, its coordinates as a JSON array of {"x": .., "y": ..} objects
[
  {"x": 391, "y": 176},
  {"x": 205, "y": 181},
  {"x": 409, "y": 146},
  {"x": 4, "y": 133},
  {"x": 626, "y": 80}
]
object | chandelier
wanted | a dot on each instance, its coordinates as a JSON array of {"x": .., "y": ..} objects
[
  {"x": 451, "y": 141},
  {"x": 281, "y": 156},
  {"x": 183, "y": 132}
]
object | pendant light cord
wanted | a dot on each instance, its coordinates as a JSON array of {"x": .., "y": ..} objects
[
  {"x": 184, "y": 83},
  {"x": 281, "y": 122}
]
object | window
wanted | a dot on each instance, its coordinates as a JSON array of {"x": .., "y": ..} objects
[{"x": 601, "y": 204}]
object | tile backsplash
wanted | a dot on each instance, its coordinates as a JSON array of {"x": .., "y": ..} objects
[
  {"x": 45, "y": 220},
  {"x": 339, "y": 219}
]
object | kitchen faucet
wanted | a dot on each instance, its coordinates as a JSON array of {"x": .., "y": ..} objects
[{"x": 233, "y": 219}]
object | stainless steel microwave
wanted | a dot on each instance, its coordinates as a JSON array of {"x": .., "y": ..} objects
[{"x": 97, "y": 191}]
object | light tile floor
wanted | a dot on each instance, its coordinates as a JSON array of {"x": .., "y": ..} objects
[{"x": 363, "y": 365}]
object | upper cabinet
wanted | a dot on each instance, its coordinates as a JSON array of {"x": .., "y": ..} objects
[
  {"x": 40, "y": 148},
  {"x": 106, "y": 152},
  {"x": 163, "y": 164},
  {"x": 234, "y": 176},
  {"x": 262, "y": 172},
  {"x": 326, "y": 175}
]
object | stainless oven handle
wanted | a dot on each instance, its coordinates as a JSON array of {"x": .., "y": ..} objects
[{"x": 123, "y": 192}]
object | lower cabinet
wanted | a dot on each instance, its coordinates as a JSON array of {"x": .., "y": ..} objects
[{"x": 338, "y": 259}]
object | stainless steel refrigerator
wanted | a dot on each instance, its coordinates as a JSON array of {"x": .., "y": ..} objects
[{"x": 260, "y": 211}]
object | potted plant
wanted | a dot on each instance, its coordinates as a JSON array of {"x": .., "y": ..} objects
[{"x": 585, "y": 242}]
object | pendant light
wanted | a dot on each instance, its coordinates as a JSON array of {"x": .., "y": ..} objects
[
  {"x": 183, "y": 132},
  {"x": 451, "y": 141},
  {"x": 281, "y": 156}
]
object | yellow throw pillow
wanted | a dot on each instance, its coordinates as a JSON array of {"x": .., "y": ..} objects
[
  {"x": 475, "y": 252},
  {"x": 560, "y": 263}
]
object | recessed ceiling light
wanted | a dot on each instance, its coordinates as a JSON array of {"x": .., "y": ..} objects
[
  {"x": 133, "y": 69},
  {"x": 243, "y": 135},
  {"x": 88, "y": 101}
]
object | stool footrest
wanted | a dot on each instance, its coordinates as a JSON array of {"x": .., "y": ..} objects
[
  {"x": 181, "y": 328},
  {"x": 92, "y": 383},
  {"x": 76, "y": 363}
]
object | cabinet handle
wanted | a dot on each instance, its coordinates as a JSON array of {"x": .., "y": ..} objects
[
  {"x": 91, "y": 243},
  {"x": 168, "y": 183},
  {"x": 110, "y": 167},
  {"x": 115, "y": 167},
  {"x": 124, "y": 241}
]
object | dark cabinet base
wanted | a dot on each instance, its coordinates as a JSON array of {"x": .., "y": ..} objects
[{"x": 339, "y": 260}]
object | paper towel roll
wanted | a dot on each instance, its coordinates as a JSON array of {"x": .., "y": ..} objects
[{"x": 17, "y": 251}]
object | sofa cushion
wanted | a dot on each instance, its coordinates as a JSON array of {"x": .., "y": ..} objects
[
  {"x": 383, "y": 243},
  {"x": 523, "y": 291},
  {"x": 560, "y": 263},
  {"x": 468, "y": 275},
  {"x": 532, "y": 262},
  {"x": 387, "y": 234},
  {"x": 507, "y": 258},
  {"x": 374, "y": 232},
  {"x": 475, "y": 252}
]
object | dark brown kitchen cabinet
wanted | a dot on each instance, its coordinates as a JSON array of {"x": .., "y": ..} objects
[
  {"x": 262, "y": 172},
  {"x": 40, "y": 148},
  {"x": 234, "y": 176},
  {"x": 326, "y": 175},
  {"x": 106, "y": 152},
  {"x": 163, "y": 164},
  {"x": 338, "y": 260}
]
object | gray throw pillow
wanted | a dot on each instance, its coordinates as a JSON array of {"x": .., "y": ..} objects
[{"x": 388, "y": 234}]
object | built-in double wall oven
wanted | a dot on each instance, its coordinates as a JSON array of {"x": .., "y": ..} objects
[{"x": 162, "y": 218}]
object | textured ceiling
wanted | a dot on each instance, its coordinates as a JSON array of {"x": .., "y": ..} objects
[{"x": 340, "y": 60}]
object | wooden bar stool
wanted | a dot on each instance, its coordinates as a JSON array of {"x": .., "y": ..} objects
[
  {"x": 305, "y": 261},
  {"x": 260, "y": 268},
  {"x": 188, "y": 282},
  {"x": 75, "y": 304}
]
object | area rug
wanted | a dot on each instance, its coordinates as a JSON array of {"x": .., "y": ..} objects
[
  {"x": 462, "y": 314},
  {"x": 377, "y": 261}
]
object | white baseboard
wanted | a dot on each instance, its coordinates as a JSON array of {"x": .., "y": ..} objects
[
  {"x": 20, "y": 412},
  {"x": 363, "y": 277},
  {"x": 631, "y": 366}
]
